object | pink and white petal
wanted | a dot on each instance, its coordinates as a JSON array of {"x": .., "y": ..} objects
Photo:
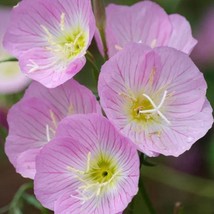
[
  {"x": 66, "y": 204},
  {"x": 183, "y": 81},
  {"x": 144, "y": 22},
  {"x": 53, "y": 178},
  {"x": 183, "y": 132},
  {"x": 25, "y": 163},
  {"x": 11, "y": 78},
  {"x": 123, "y": 72},
  {"x": 40, "y": 65},
  {"x": 82, "y": 129},
  {"x": 138, "y": 134},
  {"x": 67, "y": 99},
  {"x": 25, "y": 29},
  {"x": 28, "y": 122},
  {"x": 181, "y": 37}
]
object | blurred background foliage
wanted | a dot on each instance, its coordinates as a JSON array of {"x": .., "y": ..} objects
[{"x": 183, "y": 185}]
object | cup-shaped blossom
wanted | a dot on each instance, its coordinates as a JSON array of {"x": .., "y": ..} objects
[
  {"x": 34, "y": 119},
  {"x": 89, "y": 167},
  {"x": 145, "y": 22},
  {"x": 50, "y": 38},
  {"x": 12, "y": 80},
  {"x": 156, "y": 97}
]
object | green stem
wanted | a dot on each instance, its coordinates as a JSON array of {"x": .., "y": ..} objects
[
  {"x": 18, "y": 196},
  {"x": 96, "y": 71},
  {"x": 142, "y": 189},
  {"x": 11, "y": 59},
  {"x": 146, "y": 197},
  {"x": 4, "y": 209},
  {"x": 181, "y": 181},
  {"x": 100, "y": 15}
]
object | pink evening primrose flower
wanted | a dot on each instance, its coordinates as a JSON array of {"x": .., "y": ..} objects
[
  {"x": 145, "y": 22},
  {"x": 34, "y": 119},
  {"x": 156, "y": 97},
  {"x": 88, "y": 168},
  {"x": 11, "y": 78},
  {"x": 50, "y": 38}
]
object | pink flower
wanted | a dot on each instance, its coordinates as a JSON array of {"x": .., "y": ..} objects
[
  {"x": 91, "y": 170},
  {"x": 11, "y": 78},
  {"x": 33, "y": 120},
  {"x": 50, "y": 38},
  {"x": 145, "y": 22},
  {"x": 156, "y": 97}
]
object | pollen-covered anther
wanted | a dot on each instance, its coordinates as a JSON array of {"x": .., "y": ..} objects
[
  {"x": 156, "y": 109},
  {"x": 118, "y": 47},
  {"x": 62, "y": 22},
  {"x": 127, "y": 96},
  {"x": 154, "y": 43}
]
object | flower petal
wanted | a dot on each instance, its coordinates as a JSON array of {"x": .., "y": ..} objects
[
  {"x": 181, "y": 36},
  {"x": 143, "y": 22}
]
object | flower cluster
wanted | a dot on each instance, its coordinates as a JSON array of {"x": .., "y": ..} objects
[{"x": 153, "y": 97}]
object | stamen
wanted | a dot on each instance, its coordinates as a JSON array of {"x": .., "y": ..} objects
[
  {"x": 70, "y": 109},
  {"x": 34, "y": 66},
  {"x": 49, "y": 35},
  {"x": 128, "y": 96},
  {"x": 77, "y": 37},
  {"x": 48, "y": 133},
  {"x": 88, "y": 161},
  {"x": 90, "y": 188},
  {"x": 153, "y": 43},
  {"x": 75, "y": 170},
  {"x": 53, "y": 118},
  {"x": 62, "y": 22},
  {"x": 118, "y": 47},
  {"x": 156, "y": 109},
  {"x": 80, "y": 171},
  {"x": 152, "y": 75}
]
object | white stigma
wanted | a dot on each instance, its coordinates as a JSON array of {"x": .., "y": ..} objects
[{"x": 156, "y": 109}]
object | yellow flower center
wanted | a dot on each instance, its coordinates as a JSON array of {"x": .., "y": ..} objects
[
  {"x": 144, "y": 109},
  {"x": 102, "y": 170},
  {"x": 99, "y": 177},
  {"x": 140, "y": 104}
]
